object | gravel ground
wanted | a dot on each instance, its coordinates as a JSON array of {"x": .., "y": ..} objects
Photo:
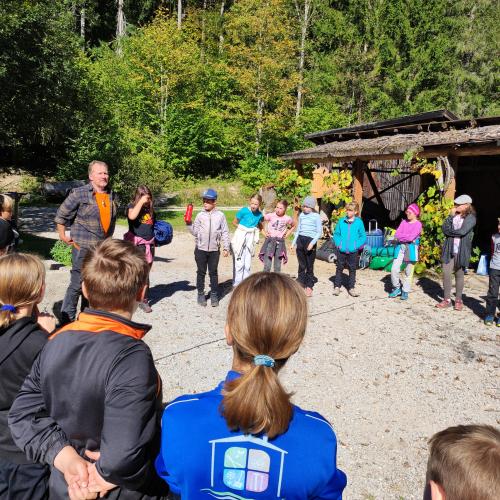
[{"x": 386, "y": 373}]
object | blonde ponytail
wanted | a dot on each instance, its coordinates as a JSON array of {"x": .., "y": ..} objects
[
  {"x": 267, "y": 315},
  {"x": 22, "y": 277}
]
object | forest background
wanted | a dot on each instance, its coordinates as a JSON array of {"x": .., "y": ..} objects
[{"x": 166, "y": 91}]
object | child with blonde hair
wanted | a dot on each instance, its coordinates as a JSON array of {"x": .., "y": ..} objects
[
  {"x": 248, "y": 222},
  {"x": 464, "y": 464},
  {"x": 245, "y": 438},
  {"x": 279, "y": 226},
  {"x": 349, "y": 237},
  {"x": 9, "y": 235},
  {"x": 22, "y": 286}
]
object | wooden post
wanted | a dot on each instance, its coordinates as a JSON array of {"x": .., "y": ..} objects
[
  {"x": 358, "y": 171},
  {"x": 451, "y": 183}
]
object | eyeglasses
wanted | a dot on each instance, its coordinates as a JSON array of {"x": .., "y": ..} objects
[{"x": 206, "y": 200}]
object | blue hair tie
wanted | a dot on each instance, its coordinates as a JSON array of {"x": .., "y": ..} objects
[
  {"x": 263, "y": 360},
  {"x": 8, "y": 307}
]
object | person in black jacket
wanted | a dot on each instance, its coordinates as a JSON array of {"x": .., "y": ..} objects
[
  {"x": 94, "y": 390},
  {"x": 22, "y": 283}
]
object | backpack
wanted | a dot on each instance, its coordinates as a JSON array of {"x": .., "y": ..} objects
[
  {"x": 366, "y": 257},
  {"x": 164, "y": 232}
]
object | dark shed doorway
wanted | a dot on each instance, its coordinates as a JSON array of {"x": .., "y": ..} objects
[{"x": 479, "y": 177}]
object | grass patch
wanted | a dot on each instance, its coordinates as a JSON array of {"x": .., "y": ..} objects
[
  {"x": 176, "y": 218},
  {"x": 37, "y": 245}
]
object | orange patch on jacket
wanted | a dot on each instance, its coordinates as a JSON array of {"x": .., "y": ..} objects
[{"x": 98, "y": 324}]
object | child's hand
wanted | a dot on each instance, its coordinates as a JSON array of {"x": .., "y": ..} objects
[
  {"x": 46, "y": 321},
  {"x": 75, "y": 492},
  {"x": 144, "y": 199},
  {"x": 225, "y": 253},
  {"x": 72, "y": 466},
  {"x": 96, "y": 483},
  {"x": 310, "y": 247},
  {"x": 66, "y": 239}
]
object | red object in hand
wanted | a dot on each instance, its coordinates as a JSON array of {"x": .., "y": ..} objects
[{"x": 189, "y": 213}]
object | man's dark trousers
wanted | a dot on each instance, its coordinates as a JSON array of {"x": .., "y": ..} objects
[
  {"x": 351, "y": 261},
  {"x": 492, "y": 297},
  {"x": 206, "y": 260},
  {"x": 70, "y": 302},
  {"x": 306, "y": 260}
]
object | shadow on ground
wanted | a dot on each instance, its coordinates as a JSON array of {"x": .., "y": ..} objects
[
  {"x": 159, "y": 292},
  {"x": 36, "y": 244},
  {"x": 434, "y": 290}
]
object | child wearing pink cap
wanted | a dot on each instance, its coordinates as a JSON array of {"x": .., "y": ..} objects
[{"x": 406, "y": 251}]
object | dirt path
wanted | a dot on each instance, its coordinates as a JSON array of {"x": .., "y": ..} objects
[{"x": 386, "y": 373}]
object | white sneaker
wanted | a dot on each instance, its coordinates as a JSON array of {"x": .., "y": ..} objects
[{"x": 336, "y": 291}]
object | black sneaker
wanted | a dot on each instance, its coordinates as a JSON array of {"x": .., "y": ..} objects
[
  {"x": 202, "y": 300},
  {"x": 214, "y": 300}
]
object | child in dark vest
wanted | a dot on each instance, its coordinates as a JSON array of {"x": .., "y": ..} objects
[{"x": 94, "y": 391}]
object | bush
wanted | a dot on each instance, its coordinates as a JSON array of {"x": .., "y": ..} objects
[
  {"x": 143, "y": 168},
  {"x": 258, "y": 171},
  {"x": 61, "y": 252}
]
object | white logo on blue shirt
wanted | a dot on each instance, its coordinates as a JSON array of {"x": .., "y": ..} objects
[{"x": 246, "y": 464}]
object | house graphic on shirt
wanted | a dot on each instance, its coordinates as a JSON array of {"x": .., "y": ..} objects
[{"x": 249, "y": 466}]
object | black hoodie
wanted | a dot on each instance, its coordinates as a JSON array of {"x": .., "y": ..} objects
[{"x": 20, "y": 344}]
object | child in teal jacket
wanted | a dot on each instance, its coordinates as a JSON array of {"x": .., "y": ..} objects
[{"x": 349, "y": 237}]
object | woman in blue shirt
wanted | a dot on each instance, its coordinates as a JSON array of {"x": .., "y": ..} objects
[{"x": 245, "y": 439}]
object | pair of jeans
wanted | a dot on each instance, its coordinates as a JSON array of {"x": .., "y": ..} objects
[
  {"x": 492, "y": 301},
  {"x": 23, "y": 482},
  {"x": 74, "y": 291},
  {"x": 349, "y": 260},
  {"x": 448, "y": 269},
  {"x": 206, "y": 260},
  {"x": 306, "y": 260}
]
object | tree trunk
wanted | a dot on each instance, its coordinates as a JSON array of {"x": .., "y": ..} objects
[
  {"x": 304, "y": 20},
  {"x": 121, "y": 24},
  {"x": 82, "y": 22},
  {"x": 203, "y": 35},
  {"x": 179, "y": 14},
  {"x": 221, "y": 34}
]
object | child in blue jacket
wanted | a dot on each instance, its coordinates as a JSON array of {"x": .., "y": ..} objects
[
  {"x": 349, "y": 237},
  {"x": 245, "y": 439}
]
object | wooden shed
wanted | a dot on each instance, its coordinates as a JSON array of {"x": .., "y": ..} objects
[{"x": 467, "y": 150}]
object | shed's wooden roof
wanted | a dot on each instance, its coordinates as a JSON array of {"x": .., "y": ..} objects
[{"x": 474, "y": 140}]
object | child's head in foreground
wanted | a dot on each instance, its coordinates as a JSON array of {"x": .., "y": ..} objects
[
  {"x": 22, "y": 285},
  {"x": 114, "y": 276},
  {"x": 464, "y": 464},
  {"x": 266, "y": 322}
]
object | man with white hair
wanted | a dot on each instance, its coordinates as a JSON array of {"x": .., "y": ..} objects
[{"x": 90, "y": 212}]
